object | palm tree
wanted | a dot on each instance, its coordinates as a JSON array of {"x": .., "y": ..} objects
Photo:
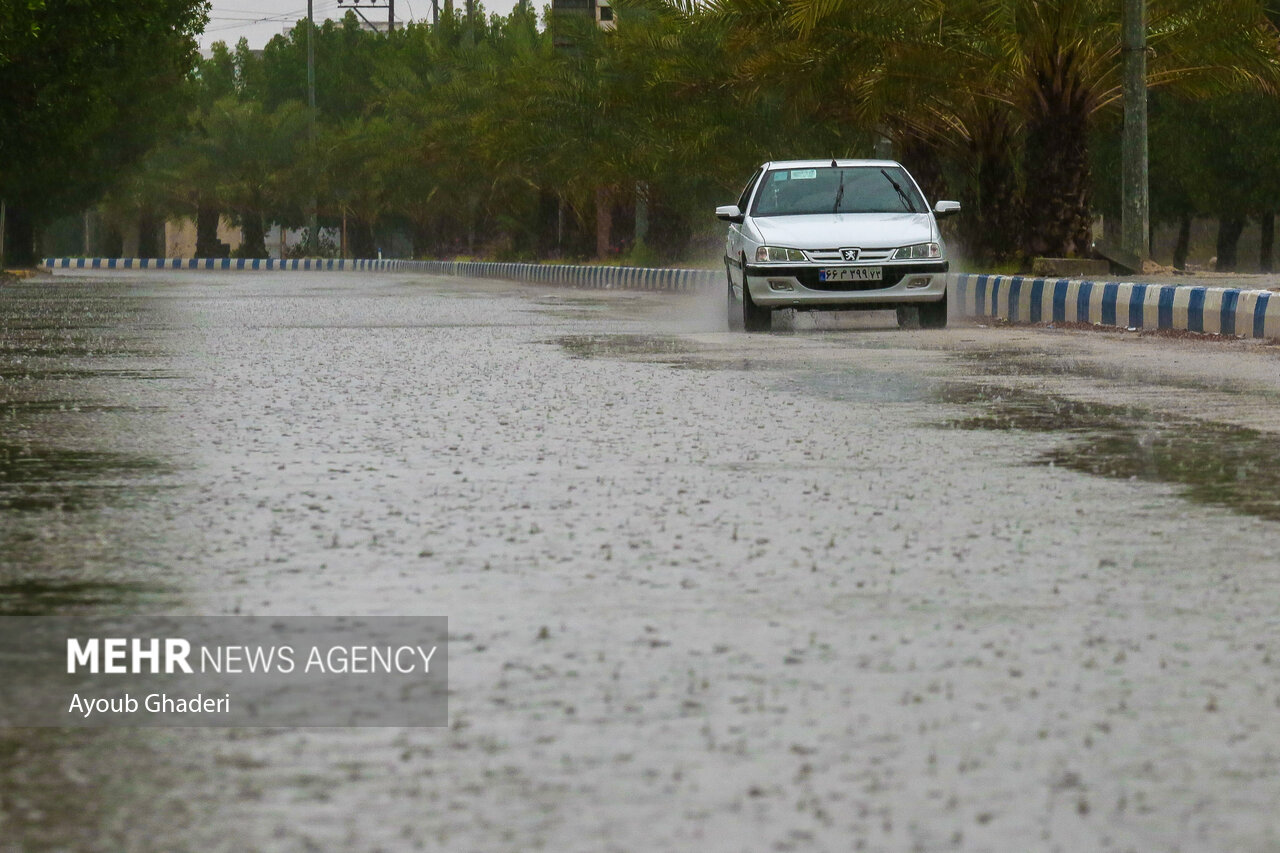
[
  {"x": 980, "y": 75},
  {"x": 1063, "y": 63},
  {"x": 254, "y": 154}
]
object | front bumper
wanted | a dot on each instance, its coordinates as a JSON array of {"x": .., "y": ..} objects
[{"x": 797, "y": 286}]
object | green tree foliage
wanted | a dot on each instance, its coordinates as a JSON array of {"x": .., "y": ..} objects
[
  {"x": 85, "y": 90},
  {"x": 508, "y": 137},
  {"x": 1004, "y": 93}
]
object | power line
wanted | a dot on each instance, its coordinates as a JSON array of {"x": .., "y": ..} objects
[{"x": 277, "y": 18}]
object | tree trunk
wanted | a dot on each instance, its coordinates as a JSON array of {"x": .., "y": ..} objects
[
  {"x": 473, "y": 217},
  {"x": 207, "y": 243},
  {"x": 19, "y": 238},
  {"x": 1267, "y": 245},
  {"x": 547, "y": 235},
  {"x": 922, "y": 161},
  {"x": 150, "y": 235},
  {"x": 1229, "y": 230},
  {"x": 1056, "y": 163},
  {"x": 991, "y": 228},
  {"x": 112, "y": 243},
  {"x": 559, "y": 227},
  {"x": 604, "y": 221},
  {"x": 421, "y": 236},
  {"x": 253, "y": 236},
  {"x": 1057, "y": 168},
  {"x": 361, "y": 243},
  {"x": 1183, "y": 245}
]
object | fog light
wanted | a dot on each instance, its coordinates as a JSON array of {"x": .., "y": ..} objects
[
  {"x": 924, "y": 281},
  {"x": 780, "y": 284}
]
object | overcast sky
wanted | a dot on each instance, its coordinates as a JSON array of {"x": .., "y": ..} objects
[{"x": 259, "y": 20}]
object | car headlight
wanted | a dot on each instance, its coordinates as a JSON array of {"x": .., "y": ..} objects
[
  {"x": 920, "y": 251},
  {"x": 773, "y": 255}
]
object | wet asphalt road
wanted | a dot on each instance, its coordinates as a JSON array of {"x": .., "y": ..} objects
[{"x": 838, "y": 587}]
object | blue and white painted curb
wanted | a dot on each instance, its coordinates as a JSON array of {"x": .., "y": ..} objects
[
  {"x": 1018, "y": 299},
  {"x": 565, "y": 275},
  {"x": 1208, "y": 310},
  {"x": 211, "y": 264}
]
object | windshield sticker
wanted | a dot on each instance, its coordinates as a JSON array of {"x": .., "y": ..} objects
[
  {"x": 780, "y": 176},
  {"x": 803, "y": 174}
]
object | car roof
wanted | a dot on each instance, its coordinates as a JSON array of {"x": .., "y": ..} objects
[{"x": 809, "y": 164}]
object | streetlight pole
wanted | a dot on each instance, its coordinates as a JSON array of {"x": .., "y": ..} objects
[
  {"x": 1136, "y": 211},
  {"x": 313, "y": 236}
]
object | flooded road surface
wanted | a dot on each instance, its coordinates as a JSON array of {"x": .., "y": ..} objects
[{"x": 838, "y": 587}]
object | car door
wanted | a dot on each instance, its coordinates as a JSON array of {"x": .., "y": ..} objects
[{"x": 735, "y": 241}]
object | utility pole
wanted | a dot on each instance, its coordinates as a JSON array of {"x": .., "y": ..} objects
[
  {"x": 375, "y": 4},
  {"x": 1136, "y": 211},
  {"x": 313, "y": 235}
]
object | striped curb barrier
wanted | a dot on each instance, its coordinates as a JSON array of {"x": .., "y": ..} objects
[
  {"x": 1017, "y": 299},
  {"x": 565, "y": 275},
  {"x": 1208, "y": 310}
]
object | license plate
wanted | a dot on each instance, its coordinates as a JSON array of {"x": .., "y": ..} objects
[{"x": 851, "y": 274}]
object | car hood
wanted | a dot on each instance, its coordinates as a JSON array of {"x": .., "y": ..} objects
[{"x": 862, "y": 230}]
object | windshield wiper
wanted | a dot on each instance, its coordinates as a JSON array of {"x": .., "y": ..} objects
[
  {"x": 906, "y": 201},
  {"x": 839, "y": 193}
]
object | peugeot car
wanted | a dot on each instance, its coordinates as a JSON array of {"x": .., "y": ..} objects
[{"x": 834, "y": 235}]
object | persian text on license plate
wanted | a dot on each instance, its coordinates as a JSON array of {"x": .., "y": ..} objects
[{"x": 851, "y": 274}]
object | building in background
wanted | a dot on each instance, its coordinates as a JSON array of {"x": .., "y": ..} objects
[{"x": 599, "y": 10}]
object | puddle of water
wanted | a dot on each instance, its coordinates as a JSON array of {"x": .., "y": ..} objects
[
  {"x": 1226, "y": 466},
  {"x": 28, "y": 350},
  {"x": 81, "y": 373},
  {"x": 674, "y": 352},
  {"x": 738, "y": 364},
  {"x": 31, "y": 407},
  {"x": 35, "y": 478},
  {"x": 39, "y": 597},
  {"x": 558, "y": 299},
  {"x": 607, "y": 346},
  {"x": 1216, "y": 464},
  {"x": 863, "y": 386},
  {"x": 1007, "y": 408},
  {"x": 1028, "y": 363}
]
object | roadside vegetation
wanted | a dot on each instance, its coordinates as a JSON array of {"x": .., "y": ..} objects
[
  {"x": 504, "y": 137},
  {"x": 86, "y": 89}
]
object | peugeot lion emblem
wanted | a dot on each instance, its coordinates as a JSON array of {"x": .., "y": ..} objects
[{"x": 849, "y": 254}]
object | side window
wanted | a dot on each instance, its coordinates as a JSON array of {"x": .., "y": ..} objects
[{"x": 746, "y": 193}]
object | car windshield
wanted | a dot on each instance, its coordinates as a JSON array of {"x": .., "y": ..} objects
[{"x": 839, "y": 189}]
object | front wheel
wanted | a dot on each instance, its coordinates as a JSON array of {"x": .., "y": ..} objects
[
  {"x": 754, "y": 317},
  {"x": 733, "y": 309},
  {"x": 933, "y": 315}
]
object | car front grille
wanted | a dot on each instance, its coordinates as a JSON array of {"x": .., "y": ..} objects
[
  {"x": 834, "y": 255},
  {"x": 808, "y": 276},
  {"x": 848, "y": 286}
]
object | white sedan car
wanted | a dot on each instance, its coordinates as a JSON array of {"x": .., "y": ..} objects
[{"x": 834, "y": 235}]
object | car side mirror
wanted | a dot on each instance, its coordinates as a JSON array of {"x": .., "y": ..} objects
[
  {"x": 946, "y": 208},
  {"x": 729, "y": 213}
]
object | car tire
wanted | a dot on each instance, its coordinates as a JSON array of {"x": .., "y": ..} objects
[
  {"x": 933, "y": 315},
  {"x": 733, "y": 308},
  {"x": 908, "y": 317},
  {"x": 754, "y": 317}
]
